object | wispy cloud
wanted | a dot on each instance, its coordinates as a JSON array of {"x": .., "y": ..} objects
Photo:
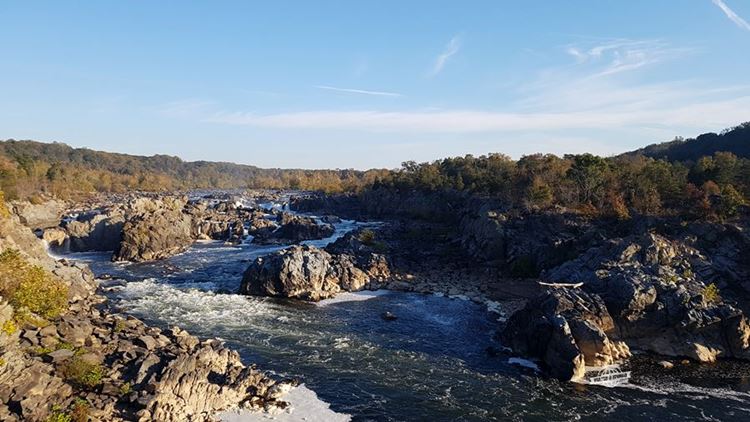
[
  {"x": 622, "y": 55},
  {"x": 715, "y": 111},
  {"x": 734, "y": 17},
  {"x": 599, "y": 91},
  {"x": 359, "y": 91},
  {"x": 450, "y": 49}
]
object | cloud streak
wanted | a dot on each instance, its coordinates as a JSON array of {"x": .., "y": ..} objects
[
  {"x": 719, "y": 112},
  {"x": 454, "y": 45},
  {"x": 359, "y": 91},
  {"x": 734, "y": 17},
  {"x": 623, "y": 55}
]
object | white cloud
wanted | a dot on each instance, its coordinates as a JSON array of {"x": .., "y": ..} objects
[
  {"x": 359, "y": 91},
  {"x": 721, "y": 112},
  {"x": 452, "y": 48},
  {"x": 737, "y": 19},
  {"x": 622, "y": 55}
]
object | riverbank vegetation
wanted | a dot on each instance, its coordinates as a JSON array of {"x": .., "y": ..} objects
[{"x": 710, "y": 179}]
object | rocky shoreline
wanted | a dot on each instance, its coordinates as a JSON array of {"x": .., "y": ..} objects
[
  {"x": 569, "y": 291},
  {"x": 606, "y": 287},
  {"x": 86, "y": 363}
]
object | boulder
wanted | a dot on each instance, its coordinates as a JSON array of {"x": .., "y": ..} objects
[
  {"x": 95, "y": 231},
  {"x": 300, "y": 272},
  {"x": 309, "y": 273},
  {"x": 39, "y": 216},
  {"x": 56, "y": 238},
  {"x": 294, "y": 229},
  {"x": 154, "y": 235}
]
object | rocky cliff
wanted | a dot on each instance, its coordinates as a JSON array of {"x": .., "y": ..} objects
[{"x": 645, "y": 292}]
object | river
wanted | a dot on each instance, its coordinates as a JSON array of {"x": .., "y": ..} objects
[{"x": 431, "y": 363}]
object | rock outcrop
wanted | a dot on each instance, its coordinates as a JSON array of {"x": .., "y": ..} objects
[
  {"x": 299, "y": 272},
  {"x": 523, "y": 244},
  {"x": 156, "y": 234},
  {"x": 655, "y": 300},
  {"x": 294, "y": 229},
  {"x": 39, "y": 216},
  {"x": 309, "y": 273},
  {"x": 568, "y": 330},
  {"x": 95, "y": 231}
]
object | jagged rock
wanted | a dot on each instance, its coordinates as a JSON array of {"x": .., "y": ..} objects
[
  {"x": 56, "y": 238},
  {"x": 145, "y": 373},
  {"x": 294, "y": 229},
  {"x": 364, "y": 255},
  {"x": 39, "y": 216},
  {"x": 644, "y": 292},
  {"x": 187, "y": 387},
  {"x": 567, "y": 329},
  {"x": 523, "y": 244},
  {"x": 301, "y": 272},
  {"x": 309, "y": 273},
  {"x": 146, "y": 341},
  {"x": 95, "y": 231},
  {"x": 59, "y": 355},
  {"x": 157, "y": 234}
]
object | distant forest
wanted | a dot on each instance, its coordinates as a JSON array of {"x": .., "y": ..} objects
[
  {"x": 29, "y": 168},
  {"x": 708, "y": 176}
]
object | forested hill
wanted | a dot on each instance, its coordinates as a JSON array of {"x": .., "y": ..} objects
[
  {"x": 735, "y": 140},
  {"x": 29, "y": 167}
]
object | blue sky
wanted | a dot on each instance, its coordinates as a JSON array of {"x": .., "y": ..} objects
[{"x": 355, "y": 84}]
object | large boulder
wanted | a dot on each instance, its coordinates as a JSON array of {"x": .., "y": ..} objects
[
  {"x": 567, "y": 329},
  {"x": 41, "y": 215},
  {"x": 95, "y": 231},
  {"x": 309, "y": 273},
  {"x": 294, "y": 229},
  {"x": 157, "y": 234},
  {"x": 300, "y": 272}
]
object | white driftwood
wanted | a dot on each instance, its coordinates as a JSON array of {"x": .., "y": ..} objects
[{"x": 563, "y": 285}]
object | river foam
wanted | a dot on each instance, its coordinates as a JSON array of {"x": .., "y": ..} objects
[{"x": 304, "y": 405}]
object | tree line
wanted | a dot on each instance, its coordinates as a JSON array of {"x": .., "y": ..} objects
[
  {"x": 29, "y": 169},
  {"x": 705, "y": 182},
  {"x": 701, "y": 186}
]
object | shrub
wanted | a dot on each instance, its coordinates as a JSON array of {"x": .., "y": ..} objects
[
  {"x": 79, "y": 410},
  {"x": 126, "y": 389},
  {"x": 9, "y": 327},
  {"x": 30, "y": 288},
  {"x": 58, "y": 415},
  {"x": 711, "y": 294},
  {"x": 367, "y": 236},
  {"x": 119, "y": 326},
  {"x": 4, "y": 212},
  {"x": 83, "y": 374}
]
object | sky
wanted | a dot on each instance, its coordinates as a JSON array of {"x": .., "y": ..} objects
[{"x": 363, "y": 84}]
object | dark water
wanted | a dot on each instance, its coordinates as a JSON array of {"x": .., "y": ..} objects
[{"x": 429, "y": 364}]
